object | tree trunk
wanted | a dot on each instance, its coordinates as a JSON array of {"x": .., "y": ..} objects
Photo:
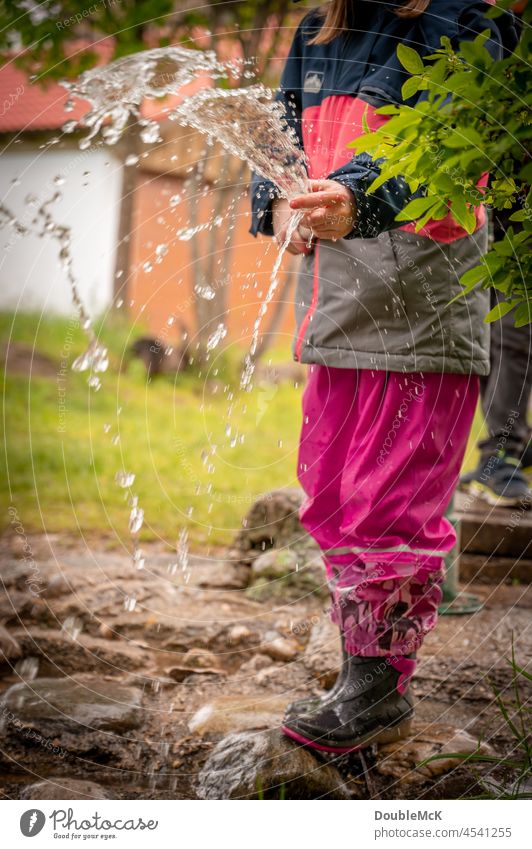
[{"x": 129, "y": 146}]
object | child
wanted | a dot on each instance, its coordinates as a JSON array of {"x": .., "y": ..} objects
[{"x": 394, "y": 367}]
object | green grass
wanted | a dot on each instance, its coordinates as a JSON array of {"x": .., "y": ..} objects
[{"x": 64, "y": 481}]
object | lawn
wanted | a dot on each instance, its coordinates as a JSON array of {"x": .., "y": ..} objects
[{"x": 171, "y": 433}]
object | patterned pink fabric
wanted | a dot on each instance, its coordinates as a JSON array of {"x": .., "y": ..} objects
[{"x": 379, "y": 458}]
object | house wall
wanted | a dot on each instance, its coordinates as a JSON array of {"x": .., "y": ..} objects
[
  {"x": 167, "y": 289},
  {"x": 31, "y": 277}
]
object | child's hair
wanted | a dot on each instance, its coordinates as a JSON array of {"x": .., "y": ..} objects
[{"x": 336, "y": 18}]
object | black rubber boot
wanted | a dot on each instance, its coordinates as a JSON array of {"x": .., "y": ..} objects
[
  {"x": 313, "y": 702},
  {"x": 373, "y": 705}
]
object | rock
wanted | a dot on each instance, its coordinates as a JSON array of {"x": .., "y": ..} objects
[
  {"x": 57, "y": 586},
  {"x": 276, "y": 563},
  {"x": 265, "y": 676},
  {"x": 237, "y": 713},
  {"x": 200, "y": 659},
  {"x": 279, "y": 648},
  {"x": 9, "y": 646},
  {"x": 195, "y": 661},
  {"x": 267, "y": 764},
  {"x": 87, "y": 653},
  {"x": 322, "y": 655},
  {"x": 241, "y": 635},
  {"x": 57, "y": 787},
  {"x": 106, "y": 632},
  {"x": 181, "y": 673},
  {"x": 255, "y": 664},
  {"x": 55, "y": 705},
  {"x": 272, "y": 520},
  {"x": 285, "y": 560},
  {"x": 400, "y": 760}
]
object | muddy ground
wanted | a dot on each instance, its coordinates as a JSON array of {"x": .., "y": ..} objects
[{"x": 119, "y": 682}]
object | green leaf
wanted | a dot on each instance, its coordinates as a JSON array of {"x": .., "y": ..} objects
[
  {"x": 523, "y": 314},
  {"x": 500, "y": 309},
  {"x": 472, "y": 277},
  {"x": 416, "y": 208},
  {"x": 464, "y": 137},
  {"x": 411, "y": 87},
  {"x": 410, "y": 59}
]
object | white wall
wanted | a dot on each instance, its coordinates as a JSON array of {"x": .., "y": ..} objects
[{"x": 31, "y": 276}]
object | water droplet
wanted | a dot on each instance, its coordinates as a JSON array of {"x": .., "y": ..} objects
[
  {"x": 125, "y": 479},
  {"x": 216, "y": 337}
]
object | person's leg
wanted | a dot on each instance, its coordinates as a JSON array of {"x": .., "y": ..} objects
[
  {"x": 505, "y": 395},
  {"x": 506, "y": 392},
  {"x": 407, "y": 442},
  {"x": 328, "y": 410}
]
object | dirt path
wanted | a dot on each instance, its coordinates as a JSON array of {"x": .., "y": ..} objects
[{"x": 133, "y": 677}]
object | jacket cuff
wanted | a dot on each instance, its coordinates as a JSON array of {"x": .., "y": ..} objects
[
  {"x": 363, "y": 228},
  {"x": 262, "y": 199}
]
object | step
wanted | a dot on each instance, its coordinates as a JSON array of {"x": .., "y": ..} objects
[{"x": 497, "y": 531}]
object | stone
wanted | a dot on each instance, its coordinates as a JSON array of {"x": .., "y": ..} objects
[
  {"x": 90, "y": 654},
  {"x": 239, "y": 634},
  {"x": 9, "y": 646},
  {"x": 272, "y": 520},
  {"x": 237, "y": 713},
  {"x": 267, "y": 765},
  {"x": 276, "y": 563},
  {"x": 255, "y": 664},
  {"x": 195, "y": 661},
  {"x": 57, "y": 787},
  {"x": 322, "y": 656},
  {"x": 279, "y": 648},
  {"x": 57, "y": 586},
  {"x": 51, "y": 706},
  {"x": 401, "y": 760}
]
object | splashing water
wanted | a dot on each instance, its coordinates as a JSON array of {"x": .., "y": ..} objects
[
  {"x": 249, "y": 365},
  {"x": 182, "y": 555},
  {"x": 116, "y": 91},
  {"x": 248, "y": 123},
  {"x": 95, "y": 357},
  {"x": 251, "y": 125},
  {"x": 72, "y": 627},
  {"x": 136, "y": 516},
  {"x": 186, "y": 233},
  {"x": 204, "y": 291},
  {"x": 28, "y": 668},
  {"x": 215, "y": 338},
  {"x": 125, "y": 479}
]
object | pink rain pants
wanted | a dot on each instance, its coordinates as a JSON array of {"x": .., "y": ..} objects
[{"x": 379, "y": 458}]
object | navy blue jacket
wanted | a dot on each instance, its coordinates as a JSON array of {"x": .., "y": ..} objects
[{"x": 326, "y": 89}]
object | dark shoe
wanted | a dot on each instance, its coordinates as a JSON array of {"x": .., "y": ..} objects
[
  {"x": 373, "y": 705},
  {"x": 526, "y": 457},
  {"x": 497, "y": 479},
  {"x": 314, "y": 702}
]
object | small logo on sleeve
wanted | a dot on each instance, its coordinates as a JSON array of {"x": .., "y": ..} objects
[{"x": 313, "y": 82}]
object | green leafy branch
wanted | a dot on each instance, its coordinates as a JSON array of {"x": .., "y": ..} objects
[{"x": 471, "y": 117}]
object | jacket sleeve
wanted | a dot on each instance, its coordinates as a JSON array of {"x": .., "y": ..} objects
[
  {"x": 264, "y": 191},
  {"x": 377, "y": 211}
]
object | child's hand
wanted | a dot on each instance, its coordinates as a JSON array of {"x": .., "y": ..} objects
[
  {"x": 332, "y": 209},
  {"x": 282, "y": 214}
]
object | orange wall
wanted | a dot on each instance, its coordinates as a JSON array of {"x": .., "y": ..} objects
[{"x": 167, "y": 288}]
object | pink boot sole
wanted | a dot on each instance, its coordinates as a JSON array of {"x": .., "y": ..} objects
[{"x": 312, "y": 743}]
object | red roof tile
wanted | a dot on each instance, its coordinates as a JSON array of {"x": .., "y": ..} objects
[{"x": 30, "y": 106}]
